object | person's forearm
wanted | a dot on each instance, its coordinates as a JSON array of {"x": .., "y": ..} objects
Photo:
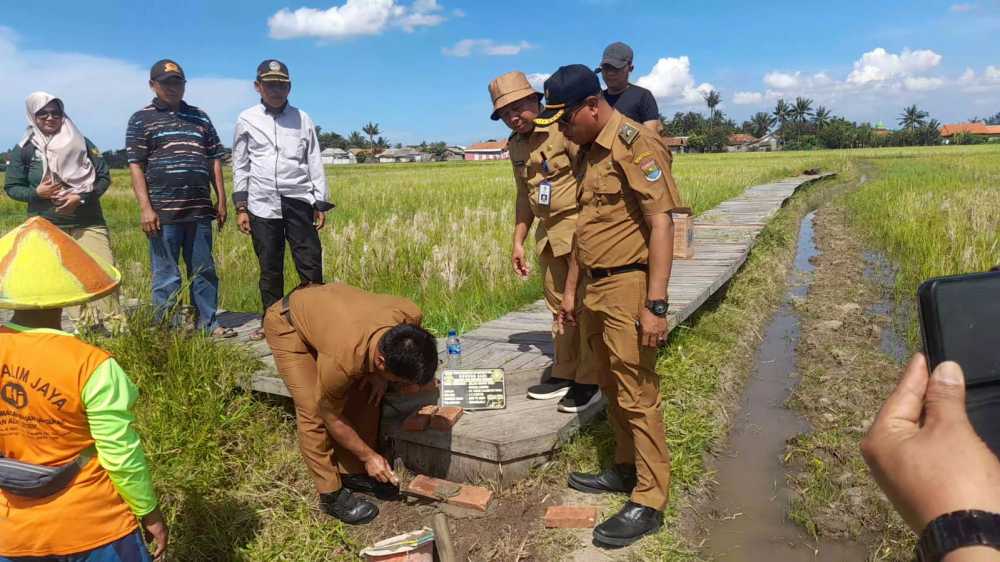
[
  {"x": 661, "y": 254},
  {"x": 521, "y": 229},
  {"x": 572, "y": 273},
  {"x": 139, "y": 186},
  {"x": 219, "y": 180},
  {"x": 523, "y": 219},
  {"x": 346, "y": 437}
]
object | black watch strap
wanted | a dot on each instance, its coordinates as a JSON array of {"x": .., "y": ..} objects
[
  {"x": 958, "y": 529},
  {"x": 657, "y": 307}
]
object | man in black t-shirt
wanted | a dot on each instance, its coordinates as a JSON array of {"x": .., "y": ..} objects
[{"x": 635, "y": 102}]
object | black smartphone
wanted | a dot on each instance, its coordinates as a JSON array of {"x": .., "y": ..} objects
[{"x": 960, "y": 322}]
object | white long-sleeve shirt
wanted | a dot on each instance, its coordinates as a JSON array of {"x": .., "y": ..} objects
[{"x": 276, "y": 155}]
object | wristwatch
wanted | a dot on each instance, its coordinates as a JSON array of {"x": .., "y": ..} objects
[
  {"x": 657, "y": 307},
  {"x": 958, "y": 529}
]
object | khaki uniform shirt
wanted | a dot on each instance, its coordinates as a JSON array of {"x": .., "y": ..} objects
[
  {"x": 344, "y": 325},
  {"x": 624, "y": 175},
  {"x": 546, "y": 155}
]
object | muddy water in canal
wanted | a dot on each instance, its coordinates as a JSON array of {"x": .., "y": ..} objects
[{"x": 749, "y": 522}]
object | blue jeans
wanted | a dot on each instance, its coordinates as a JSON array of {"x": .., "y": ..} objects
[
  {"x": 129, "y": 548},
  {"x": 193, "y": 240}
]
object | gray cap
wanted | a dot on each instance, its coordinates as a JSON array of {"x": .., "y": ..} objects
[{"x": 618, "y": 55}]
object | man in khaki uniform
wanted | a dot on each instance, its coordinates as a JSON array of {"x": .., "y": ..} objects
[
  {"x": 336, "y": 347},
  {"x": 547, "y": 190},
  {"x": 623, "y": 249}
]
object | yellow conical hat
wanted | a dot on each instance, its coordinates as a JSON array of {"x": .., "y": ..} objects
[{"x": 42, "y": 267}]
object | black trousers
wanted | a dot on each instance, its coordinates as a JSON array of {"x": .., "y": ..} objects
[{"x": 269, "y": 235}]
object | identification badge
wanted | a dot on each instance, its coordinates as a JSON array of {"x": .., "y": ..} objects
[{"x": 544, "y": 193}]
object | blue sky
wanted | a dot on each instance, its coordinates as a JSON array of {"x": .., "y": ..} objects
[{"x": 420, "y": 68}]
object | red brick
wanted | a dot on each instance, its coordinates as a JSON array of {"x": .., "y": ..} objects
[
  {"x": 424, "y": 487},
  {"x": 446, "y": 417},
  {"x": 570, "y": 517},
  {"x": 472, "y": 497},
  {"x": 418, "y": 421}
]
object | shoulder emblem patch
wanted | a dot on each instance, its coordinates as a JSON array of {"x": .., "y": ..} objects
[
  {"x": 651, "y": 169},
  {"x": 628, "y": 134}
]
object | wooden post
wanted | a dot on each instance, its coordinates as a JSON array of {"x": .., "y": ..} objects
[{"x": 442, "y": 539}]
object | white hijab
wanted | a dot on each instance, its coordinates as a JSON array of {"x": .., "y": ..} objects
[{"x": 64, "y": 154}]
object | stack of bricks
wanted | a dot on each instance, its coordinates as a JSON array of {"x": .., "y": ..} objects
[{"x": 441, "y": 418}]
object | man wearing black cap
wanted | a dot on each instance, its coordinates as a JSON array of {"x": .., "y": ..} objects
[
  {"x": 174, "y": 154},
  {"x": 635, "y": 102},
  {"x": 623, "y": 251},
  {"x": 279, "y": 185}
]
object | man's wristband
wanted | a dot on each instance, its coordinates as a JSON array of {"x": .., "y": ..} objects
[{"x": 956, "y": 530}]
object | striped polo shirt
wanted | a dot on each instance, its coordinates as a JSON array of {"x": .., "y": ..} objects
[{"x": 176, "y": 148}]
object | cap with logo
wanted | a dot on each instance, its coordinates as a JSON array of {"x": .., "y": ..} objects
[
  {"x": 42, "y": 267},
  {"x": 165, "y": 68},
  {"x": 272, "y": 71},
  {"x": 509, "y": 88},
  {"x": 567, "y": 88},
  {"x": 618, "y": 55}
]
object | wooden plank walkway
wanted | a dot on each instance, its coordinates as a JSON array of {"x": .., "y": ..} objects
[{"x": 505, "y": 444}]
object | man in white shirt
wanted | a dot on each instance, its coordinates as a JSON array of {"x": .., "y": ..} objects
[{"x": 279, "y": 186}]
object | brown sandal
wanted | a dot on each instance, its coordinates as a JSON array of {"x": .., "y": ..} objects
[{"x": 256, "y": 335}]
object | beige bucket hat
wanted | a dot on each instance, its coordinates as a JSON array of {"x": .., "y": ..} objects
[{"x": 509, "y": 88}]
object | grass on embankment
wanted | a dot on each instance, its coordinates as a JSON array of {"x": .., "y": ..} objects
[{"x": 703, "y": 370}]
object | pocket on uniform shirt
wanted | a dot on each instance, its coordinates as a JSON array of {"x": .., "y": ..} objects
[
  {"x": 294, "y": 149},
  {"x": 560, "y": 162}
]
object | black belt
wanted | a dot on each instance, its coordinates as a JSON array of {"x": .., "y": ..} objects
[{"x": 602, "y": 273}]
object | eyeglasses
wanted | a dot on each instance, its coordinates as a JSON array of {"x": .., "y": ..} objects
[
  {"x": 49, "y": 115},
  {"x": 567, "y": 116}
]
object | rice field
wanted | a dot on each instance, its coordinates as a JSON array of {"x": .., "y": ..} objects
[{"x": 436, "y": 233}]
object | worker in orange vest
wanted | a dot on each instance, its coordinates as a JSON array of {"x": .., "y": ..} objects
[{"x": 74, "y": 483}]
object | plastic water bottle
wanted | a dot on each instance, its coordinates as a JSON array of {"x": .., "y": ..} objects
[{"x": 454, "y": 350}]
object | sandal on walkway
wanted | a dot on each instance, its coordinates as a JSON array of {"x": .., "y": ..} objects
[
  {"x": 224, "y": 333},
  {"x": 256, "y": 335}
]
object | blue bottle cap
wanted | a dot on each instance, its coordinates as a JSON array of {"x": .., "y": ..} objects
[{"x": 452, "y": 333}]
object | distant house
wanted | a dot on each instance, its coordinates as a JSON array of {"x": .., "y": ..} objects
[
  {"x": 490, "y": 150},
  {"x": 331, "y": 156},
  {"x": 976, "y": 129},
  {"x": 766, "y": 143},
  {"x": 881, "y": 130},
  {"x": 739, "y": 142},
  {"x": 397, "y": 155},
  {"x": 676, "y": 144},
  {"x": 452, "y": 153}
]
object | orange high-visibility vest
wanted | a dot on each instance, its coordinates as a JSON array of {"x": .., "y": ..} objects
[{"x": 42, "y": 421}]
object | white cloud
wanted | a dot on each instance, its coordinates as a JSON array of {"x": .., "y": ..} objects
[
  {"x": 781, "y": 80},
  {"x": 747, "y": 98},
  {"x": 101, "y": 93},
  {"x": 922, "y": 83},
  {"x": 879, "y": 65},
  {"x": 962, "y": 8},
  {"x": 671, "y": 81},
  {"x": 354, "y": 18},
  {"x": 992, "y": 74},
  {"x": 537, "y": 80},
  {"x": 467, "y": 47}
]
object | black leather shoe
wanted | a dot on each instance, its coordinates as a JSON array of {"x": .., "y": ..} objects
[
  {"x": 347, "y": 507},
  {"x": 364, "y": 484},
  {"x": 617, "y": 479},
  {"x": 631, "y": 523}
]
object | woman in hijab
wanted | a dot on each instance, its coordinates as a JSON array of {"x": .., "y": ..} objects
[{"x": 61, "y": 175}]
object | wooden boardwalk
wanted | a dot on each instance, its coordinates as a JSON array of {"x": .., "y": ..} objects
[{"x": 505, "y": 444}]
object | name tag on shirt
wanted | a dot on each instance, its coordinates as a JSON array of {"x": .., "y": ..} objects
[{"x": 544, "y": 193}]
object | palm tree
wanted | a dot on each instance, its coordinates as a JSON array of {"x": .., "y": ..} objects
[
  {"x": 371, "y": 129},
  {"x": 822, "y": 117},
  {"x": 761, "y": 123},
  {"x": 356, "y": 140},
  {"x": 782, "y": 111},
  {"x": 912, "y": 117},
  {"x": 712, "y": 99},
  {"x": 801, "y": 110}
]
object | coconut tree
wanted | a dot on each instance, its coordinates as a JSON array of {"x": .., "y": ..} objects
[
  {"x": 712, "y": 99},
  {"x": 912, "y": 117},
  {"x": 371, "y": 129},
  {"x": 782, "y": 112},
  {"x": 761, "y": 123},
  {"x": 801, "y": 110},
  {"x": 821, "y": 118}
]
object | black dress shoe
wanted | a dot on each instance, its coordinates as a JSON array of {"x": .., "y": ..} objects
[
  {"x": 632, "y": 522},
  {"x": 347, "y": 507},
  {"x": 364, "y": 484},
  {"x": 617, "y": 479}
]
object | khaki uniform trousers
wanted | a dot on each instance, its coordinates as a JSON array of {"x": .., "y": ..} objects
[
  {"x": 297, "y": 364},
  {"x": 569, "y": 361},
  {"x": 611, "y": 308},
  {"x": 107, "y": 310}
]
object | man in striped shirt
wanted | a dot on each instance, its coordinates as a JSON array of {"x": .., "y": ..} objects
[{"x": 174, "y": 155}]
